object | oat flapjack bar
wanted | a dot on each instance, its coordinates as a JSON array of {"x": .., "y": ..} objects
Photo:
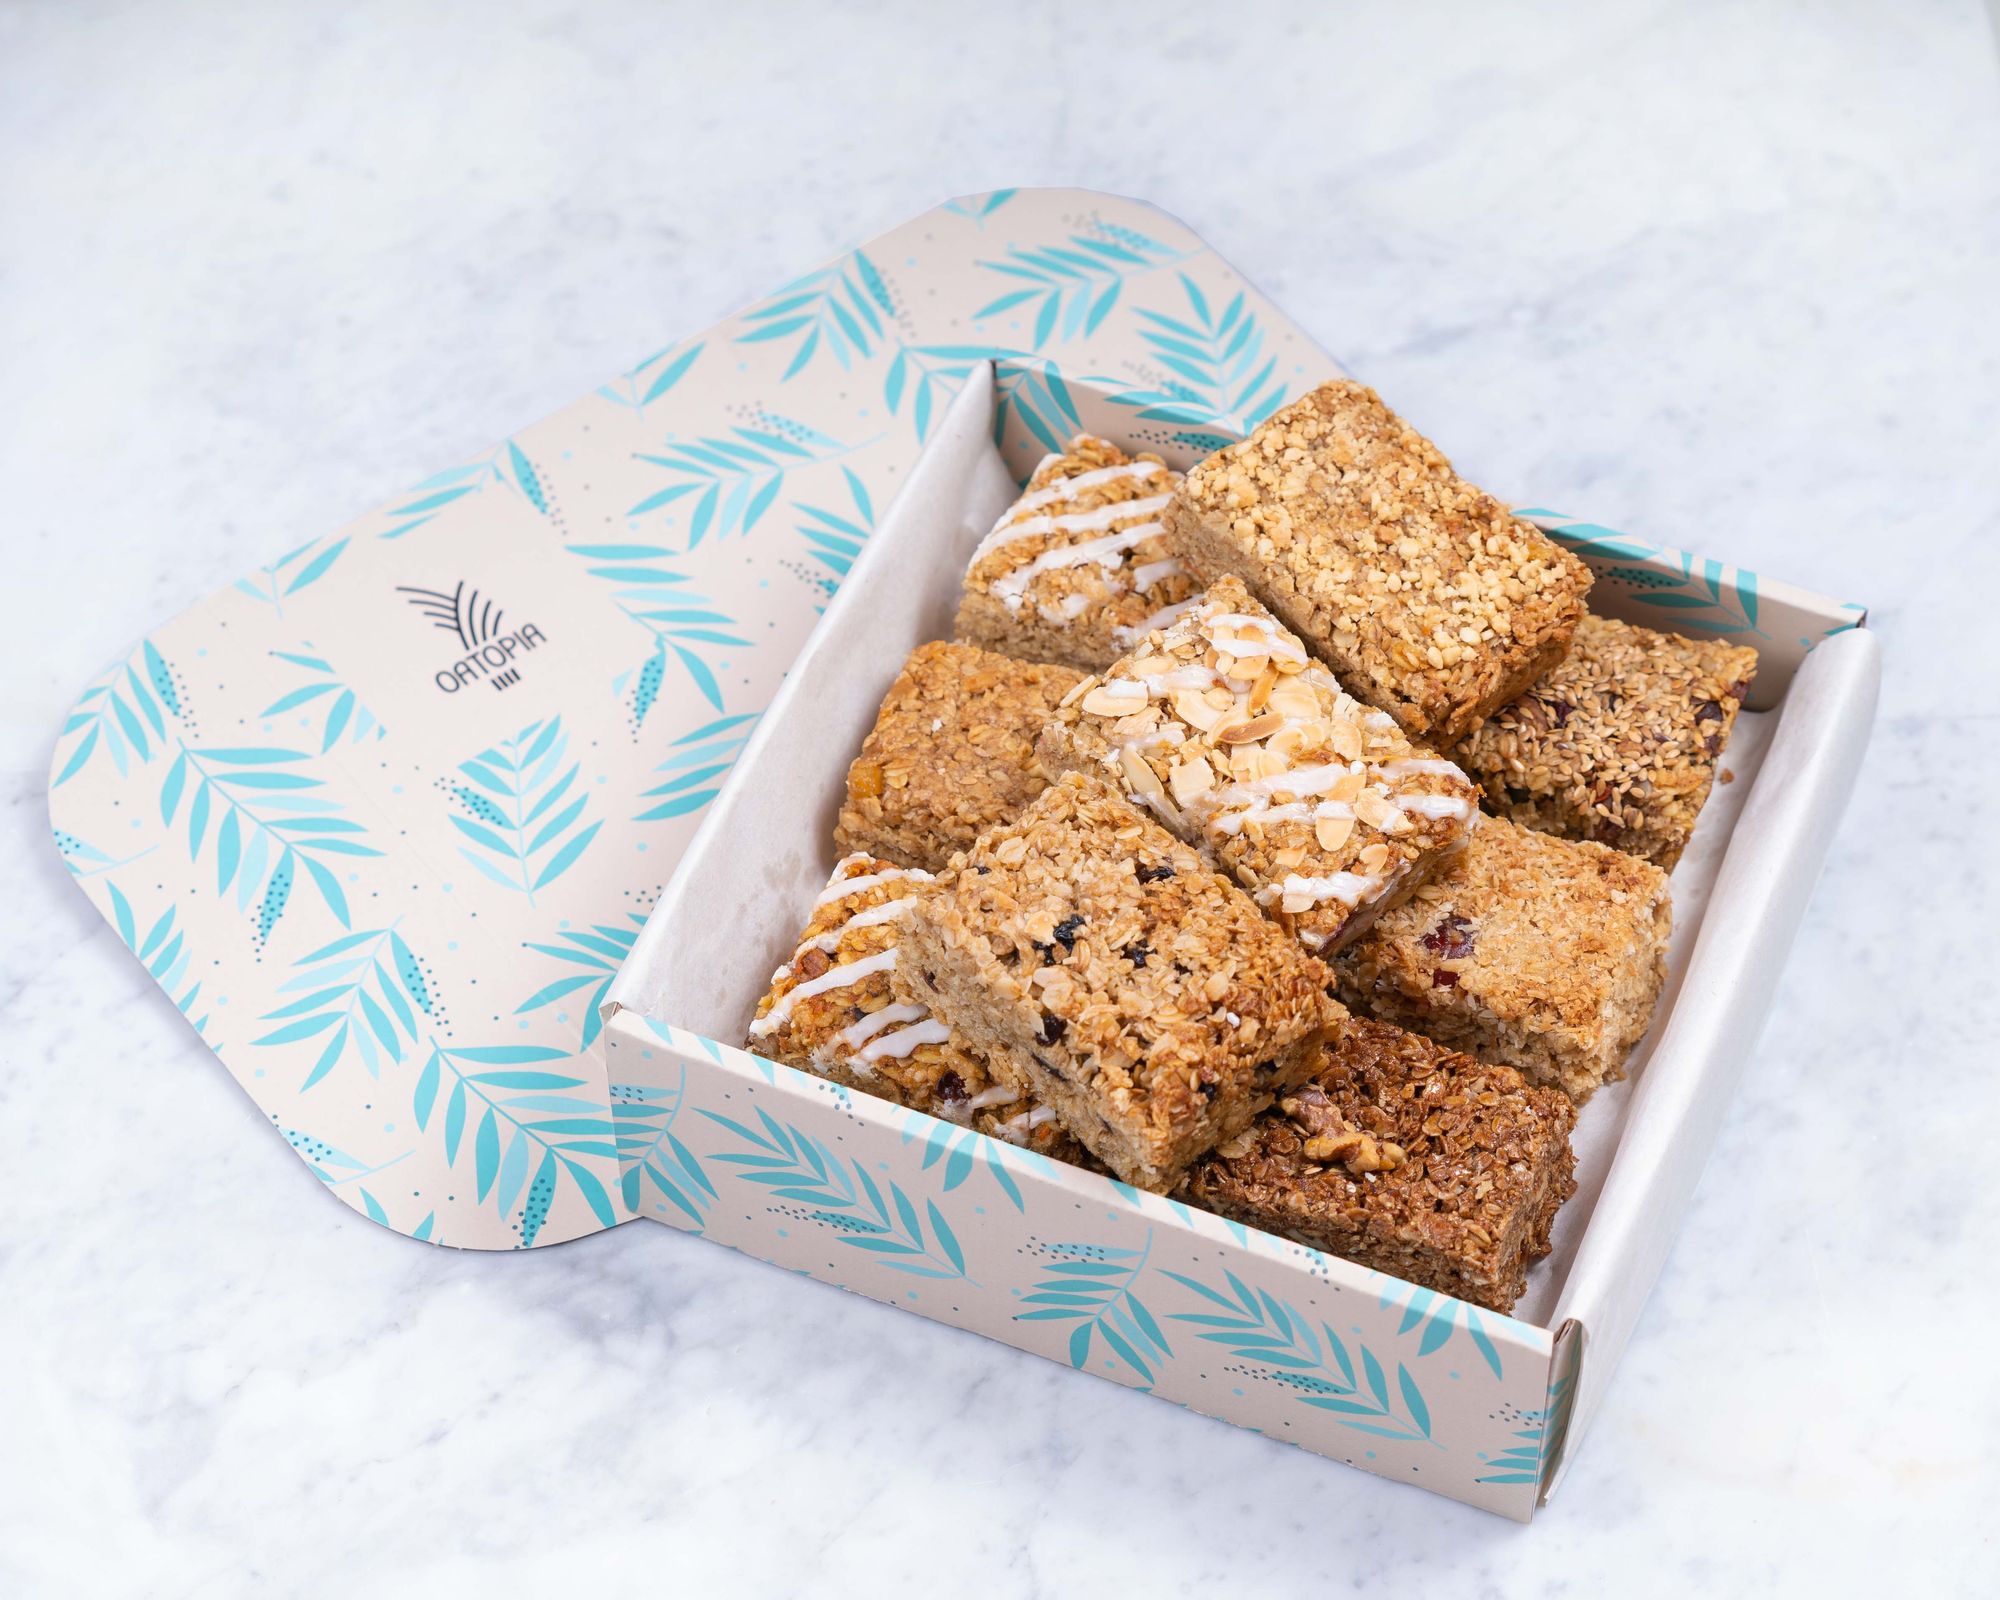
[
  {"x": 1098, "y": 963},
  {"x": 1426, "y": 596},
  {"x": 1485, "y": 1165},
  {"x": 1546, "y": 954},
  {"x": 836, "y": 1009},
  {"x": 952, "y": 751},
  {"x": 1078, "y": 562},
  {"x": 1223, "y": 727},
  {"x": 1619, "y": 742}
]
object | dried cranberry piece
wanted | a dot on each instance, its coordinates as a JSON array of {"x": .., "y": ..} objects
[
  {"x": 1452, "y": 939},
  {"x": 1558, "y": 710},
  {"x": 951, "y": 1088},
  {"x": 1053, "y": 1027},
  {"x": 1444, "y": 978},
  {"x": 1068, "y": 929},
  {"x": 1708, "y": 711},
  {"x": 1154, "y": 874}
]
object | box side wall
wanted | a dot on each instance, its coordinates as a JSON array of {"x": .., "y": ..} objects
[{"x": 1144, "y": 1291}]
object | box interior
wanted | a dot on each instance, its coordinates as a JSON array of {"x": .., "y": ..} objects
[{"x": 765, "y": 850}]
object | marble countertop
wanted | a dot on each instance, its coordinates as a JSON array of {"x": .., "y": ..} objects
[{"x": 1726, "y": 280}]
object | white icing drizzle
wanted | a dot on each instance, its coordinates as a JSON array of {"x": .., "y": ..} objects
[
  {"x": 1231, "y": 822},
  {"x": 1238, "y": 622},
  {"x": 1065, "y": 488},
  {"x": 1165, "y": 617},
  {"x": 901, "y": 1042},
  {"x": 833, "y": 978},
  {"x": 1299, "y": 781},
  {"x": 841, "y": 888},
  {"x": 874, "y": 916},
  {"x": 1007, "y": 532},
  {"x": 1072, "y": 607},
  {"x": 1348, "y": 888},
  {"x": 1434, "y": 806},
  {"x": 1412, "y": 766},
  {"x": 1107, "y": 552},
  {"x": 1018, "y": 1128},
  {"x": 998, "y": 1095},
  {"x": 1143, "y": 578},
  {"x": 859, "y": 1033}
]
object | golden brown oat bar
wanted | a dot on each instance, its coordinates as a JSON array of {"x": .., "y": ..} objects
[
  {"x": 1078, "y": 562},
  {"x": 952, "y": 751},
  {"x": 836, "y": 1009},
  {"x": 1620, "y": 742},
  {"x": 1097, "y": 963},
  {"x": 1424, "y": 594},
  {"x": 1547, "y": 954},
  {"x": 1221, "y": 725},
  {"x": 1486, "y": 1164}
]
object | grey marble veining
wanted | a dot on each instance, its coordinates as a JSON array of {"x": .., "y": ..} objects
[{"x": 1721, "y": 275}]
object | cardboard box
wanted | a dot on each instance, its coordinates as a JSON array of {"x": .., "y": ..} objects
[
  {"x": 387, "y": 821},
  {"x": 1147, "y": 1291}
]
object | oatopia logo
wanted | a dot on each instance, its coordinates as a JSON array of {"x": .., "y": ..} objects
[{"x": 491, "y": 649}]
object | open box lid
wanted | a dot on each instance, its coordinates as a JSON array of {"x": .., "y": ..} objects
[{"x": 384, "y": 817}]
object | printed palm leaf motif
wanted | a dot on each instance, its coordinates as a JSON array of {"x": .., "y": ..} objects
[
  {"x": 530, "y": 1128},
  {"x": 929, "y": 375},
  {"x": 508, "y": 466},
  {"x": 835, "y": 538},
  {"x": 85, "y": 860},
  {"x": 164, "y": 953},
  {"x": 599, "y": 950},
  {"x": 653, "y": 377},
  {"x": 1439, "y": 1316},
  {"x": 272, "y": 585},
  {"x": 696, "y": 765},
  {"x": 1071, "y": 287},
  {"x": 978, "y": 207},
  {"x": 683, "y": 624},
  {"x": 1217, "y": 374},
  {"x": 653, "y": 1155},
  {"x": 1540, "y": 1434},
  {"x": 270, "y": 820},
  {"x": 1093, "y": 1285},
  {"x": 843, "y": 309},
  {"x": 364, "y": 992},
  {"x": 123, "y": 715},
  {"x": 963, "y": 1151},
  {"x": 1275, "y": 1336},
  {"x": 733, "y": 478},
  {"x": 331, "y": 699},
  {"x": 864, "y": 1212},
  {"x": 523, "y": 811},
  {"x": 1031, "y": 391},
  {"x": 1702, "y": 596}
]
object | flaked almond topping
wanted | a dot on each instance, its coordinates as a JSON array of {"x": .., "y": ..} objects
[
  {"x": 1219, "y": 697},
  {"x": 1332, "y": 832},
  {"x": 1372, "y": 807},
  {"x": 1104, "y": 701},
  {"x": 1261, "y": 726},
  {"x": 1191, "y": 778},
  {"x": 1140, "y": 777},
  {"x": 1347, "y": 788},
  {"x": 1260, "y": 691},
  {"x": 1077, "y": 691},
  {"x": 1192, "y": 707},
  {"x": 1343, "y": 738},
  {"x": 1374, "y": 857},
  {"x": 1291, "y": 856}
]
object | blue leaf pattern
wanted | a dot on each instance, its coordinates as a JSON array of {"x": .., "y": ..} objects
[
  {"x": 1094, "y": 1286},
  {"x": 523, "y": 810}
]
